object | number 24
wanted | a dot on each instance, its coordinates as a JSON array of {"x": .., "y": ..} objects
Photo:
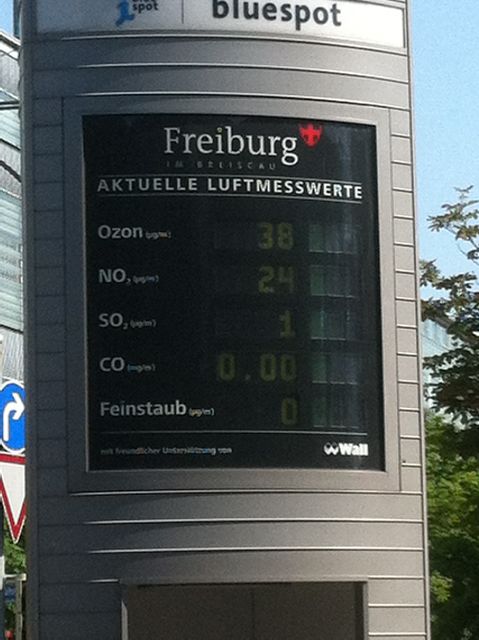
[{"x": 273, "y": 278}]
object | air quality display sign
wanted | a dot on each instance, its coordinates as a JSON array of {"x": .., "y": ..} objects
[{"x": 232, "y": 280}]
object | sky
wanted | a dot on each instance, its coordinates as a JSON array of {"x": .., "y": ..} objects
[
  {"x": 6, "y": 12},
  {"x": 446, "y": 90}
]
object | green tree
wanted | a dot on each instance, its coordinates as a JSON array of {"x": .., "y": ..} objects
[
  {"x": 15, "y": 561},
  {"x": 453, "y": 436},
  {"x": 453, "y": 497},
  {"x": 456, "y": 303}
]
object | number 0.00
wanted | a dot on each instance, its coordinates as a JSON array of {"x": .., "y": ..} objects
[{"x": 270, "y": 365}]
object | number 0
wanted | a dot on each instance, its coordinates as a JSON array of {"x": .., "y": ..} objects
[
  {"x": 226, "y": 367},
  {"x": 289, "y": 412}
]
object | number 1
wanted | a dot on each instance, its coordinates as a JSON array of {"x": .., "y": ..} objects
[{"x": 286, "y": 325}]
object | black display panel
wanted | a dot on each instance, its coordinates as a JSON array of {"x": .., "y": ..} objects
[{"x": 232, "y": 293}]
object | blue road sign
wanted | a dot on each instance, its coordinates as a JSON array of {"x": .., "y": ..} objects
[
  {"x": 9, "y": 592},
  {"x": 12, "y": 415}
]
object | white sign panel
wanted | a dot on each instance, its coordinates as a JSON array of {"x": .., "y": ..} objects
[{"x": 339, "y": 20}]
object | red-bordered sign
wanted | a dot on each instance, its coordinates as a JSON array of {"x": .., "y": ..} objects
[{"x": 12, "y": 491}]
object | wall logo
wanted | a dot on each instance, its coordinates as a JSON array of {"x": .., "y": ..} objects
[
  {"x": 129, "y": 9},
  {"x": 346, "y": 449}
]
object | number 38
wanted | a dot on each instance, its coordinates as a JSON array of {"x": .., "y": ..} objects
[{"x": 275, "y": 236}]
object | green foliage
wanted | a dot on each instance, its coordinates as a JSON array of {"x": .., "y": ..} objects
[
  {"x": 453, "y": 447},
  {"x": 456, "y": 305},
  {"x": 15, "y": 561},
  {"x": 453, "y": 497},
  {"x": 461, "y": 220}
]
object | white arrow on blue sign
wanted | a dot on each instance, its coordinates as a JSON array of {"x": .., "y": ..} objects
[{"x": 12, "y": 413}]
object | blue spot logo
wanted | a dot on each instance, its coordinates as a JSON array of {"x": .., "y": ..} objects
[
  {"x": 125, "y": 13},
  {"x": 130, "y": 9}
]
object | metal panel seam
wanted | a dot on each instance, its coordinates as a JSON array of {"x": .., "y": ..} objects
[
  {"x": 224, "y": 94},
  {"x": 231, "y": 65},
  {"x": 137, "y": 521},
  {"x": 188, "y": 550}
]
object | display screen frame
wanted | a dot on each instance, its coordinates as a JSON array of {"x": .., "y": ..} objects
[{"x": 80, "y": 476}]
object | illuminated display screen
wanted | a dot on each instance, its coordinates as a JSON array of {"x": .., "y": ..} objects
[{"x": 233, "y": 309}]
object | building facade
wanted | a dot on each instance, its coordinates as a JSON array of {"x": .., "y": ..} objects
[
  {"x": 11, "y": 288},
  {"x": 435, "y": 341}
]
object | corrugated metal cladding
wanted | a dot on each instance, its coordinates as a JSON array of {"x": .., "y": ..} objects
[{"x": 86, "y": 545}]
